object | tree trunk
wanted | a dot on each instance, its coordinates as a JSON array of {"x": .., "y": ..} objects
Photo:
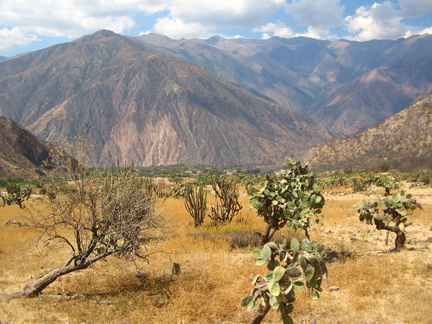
[
  {"x": 400, "y": 235},
  {"x": 36, "y": 288},
  {"x": 400, "y": 240},
  {"x": 261, "y": 312},
  {"x": 267, "y": 235}
]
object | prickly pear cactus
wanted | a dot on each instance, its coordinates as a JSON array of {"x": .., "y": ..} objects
[{"x": 292, "y": 267}]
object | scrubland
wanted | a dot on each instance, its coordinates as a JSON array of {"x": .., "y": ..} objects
[{"x": 366, "y": 284}]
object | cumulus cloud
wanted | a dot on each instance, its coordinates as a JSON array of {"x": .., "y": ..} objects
[
  {"x": 318, "y": 33},
  {"x": 384, "y": 20},
  {"x": 176, "y": 28},
  {"x": 278, "y": 29},
  {"x": 316, "y": 14},
  {"x": 10, "y": 37},
  {"x": 224, "y": 13},
  {"x": 184, "y": 18}
]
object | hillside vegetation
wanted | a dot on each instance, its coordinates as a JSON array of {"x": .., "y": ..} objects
[{"x": 216, "y": 267}]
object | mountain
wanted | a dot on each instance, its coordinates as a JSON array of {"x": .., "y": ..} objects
[
  {"x": 21, "y": 153},
  {"x": 135, "y": 105},
  {"x": 348, "y": 86},
  {"x": 403, "y": 140},
  {"x": 374, "y": 96}
]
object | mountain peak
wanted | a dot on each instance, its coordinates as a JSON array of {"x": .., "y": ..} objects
[{"x": 100, "y": 34}]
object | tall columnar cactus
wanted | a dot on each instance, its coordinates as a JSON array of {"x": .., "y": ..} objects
[
  {"x": 227, "y": 205},
  {"x": 388, "y": 214},
  {"x": 196, "y": 202},
  {"x": 290, "y": 199}
]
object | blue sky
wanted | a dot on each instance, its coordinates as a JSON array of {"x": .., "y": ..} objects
[{"x": 27, "y": 25}]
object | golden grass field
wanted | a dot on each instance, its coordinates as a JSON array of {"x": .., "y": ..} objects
[{"x": 375, "y": 286}]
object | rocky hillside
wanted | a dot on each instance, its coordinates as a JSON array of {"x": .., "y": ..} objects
[
  {"x": 348, "y": 86},
  {"x": 134, "y": 105},
  {"x": 403, "y": 140},
  {"x": 21, "y": 153}
]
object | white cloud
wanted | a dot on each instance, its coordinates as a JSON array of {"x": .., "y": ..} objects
[
  {"x": 10, "y": 37},
  {"x": 184, "y": 18},
  {"x": 176, "y": 28},
  {"x": 426, "y": 31},
  {"x": 224, "y": 13},
  {"x": 68, "y": 18},
  {"x": 381, "y": 21},
  {"x": 317, "y": 33},
  {"x": 274, "y": 29},
  {"x": 316, "y": 14}
]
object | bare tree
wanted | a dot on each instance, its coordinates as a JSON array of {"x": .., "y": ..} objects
[{"x": 96, "y": 214}]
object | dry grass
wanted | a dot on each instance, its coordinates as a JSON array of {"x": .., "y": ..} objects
[{"x": 375, "y": 286}]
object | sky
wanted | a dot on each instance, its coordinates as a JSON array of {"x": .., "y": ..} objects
[{"x": 28, "y": 25}]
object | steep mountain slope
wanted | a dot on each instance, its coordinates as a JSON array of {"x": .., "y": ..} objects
[
  {"x": 321, "y": 79},
  {"x": 404, "y": 140},
  {"x": 374, "y": 96},
  {"x": 21, "y": 153},
  {"x": 136, "y": 106}
]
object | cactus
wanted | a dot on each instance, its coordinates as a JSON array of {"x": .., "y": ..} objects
[
  {"x": 291, "y": 268},
  {"x": 227, "y": 204},
  {"x": 394, "y": 210},
  {"x": 196, "y": 202},
  {"x": 16, "y": 194},
  {"x": 292, "y": 199}
]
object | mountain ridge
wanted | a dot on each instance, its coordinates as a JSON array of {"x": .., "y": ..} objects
[
  {"x": 21, "y": 153},
  {"x": 307, "y": 74},
  {"x": 403, "y": 140},
  {"x": 138, "y": 106}
]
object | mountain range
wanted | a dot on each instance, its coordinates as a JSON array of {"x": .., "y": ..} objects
[
  {"x": 151, "y": 100},
  {"x": 138, "y": 106},
  {"x": 404, "y": 141},
  {"x": 345, "y": 85}
]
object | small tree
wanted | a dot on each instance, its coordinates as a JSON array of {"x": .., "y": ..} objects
[
  {"x": 227, "y": 205},
  {"x": 98, "y": 214},
  {"x": 388, "y": 214},
  {"x": 291, "y": 268},
  {"x": 291, "y": 199}
]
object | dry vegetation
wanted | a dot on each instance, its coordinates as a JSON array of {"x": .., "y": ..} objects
[{"x": 374, "y": 286}]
